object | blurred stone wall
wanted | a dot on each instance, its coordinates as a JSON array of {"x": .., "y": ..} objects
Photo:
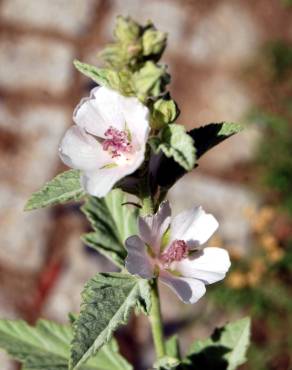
[{"x": 42, "y": 262}]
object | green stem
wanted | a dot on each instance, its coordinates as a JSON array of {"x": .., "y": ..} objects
[
  {"x": 147, "y": 206},
  {"x": 156, "y": 321}
]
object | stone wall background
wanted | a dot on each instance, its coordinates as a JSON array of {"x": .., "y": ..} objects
[{"x": 43, "y": 265}]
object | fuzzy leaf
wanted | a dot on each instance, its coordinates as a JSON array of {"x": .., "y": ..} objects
[
  {"x": 107, "y": 301},
  {"x": 177, "y": 144},
  {"x": 150, "y": 80},
  {"x": 116, "y": 80},
  {"x": 64, "y": 187},
  {"x": 47, "y": 347},
  {"x": 226, "y": 348},
  {"x": 112, "y": 222},
  {"x": 167, "y": 171}
]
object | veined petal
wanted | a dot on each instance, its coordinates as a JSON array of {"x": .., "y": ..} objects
[
  {"x": 81, "y": 151},
  {"x": 194, "y": 226},
  {"x": 152, "y": 228},
  {"x": 136, "y": 117},
  {"x": 100, "y": 181},
  {"x": 187, "y": 289},
  {"x": 109, "y": 105},
  {"x": 138, "y": 262},
  {"x": 209, "y": 265}
]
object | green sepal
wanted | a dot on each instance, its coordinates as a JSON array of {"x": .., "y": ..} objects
[
  {"x": 150, "y": 80},
  {"x": 163, "y": 112},
  {"x": 126, "y": 30},
  {"x": 154, "y": 42}
]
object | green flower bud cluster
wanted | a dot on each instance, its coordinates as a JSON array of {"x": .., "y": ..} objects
[{"x": 132, "y": 68}]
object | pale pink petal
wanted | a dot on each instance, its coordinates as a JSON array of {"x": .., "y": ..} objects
[
  {"x": 187, "y": 289},
  {"x": 138, "y": 261},
  {"x": 209, "y": 265},
  {"x": 81, "y": 151},
  {"x": 152, "y": 228},
  {"x": 100, "y": 181},
  {"x": 194, "y": 226}
]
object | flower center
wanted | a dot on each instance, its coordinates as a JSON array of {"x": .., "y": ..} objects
[
  {"x": 117, "y": 142},
  {"x": 177, "y": 250}
]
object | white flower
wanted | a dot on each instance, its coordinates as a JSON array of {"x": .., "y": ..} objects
[
  {"x": 108, "y": 141},
  {"x": 172, "y": 250}
]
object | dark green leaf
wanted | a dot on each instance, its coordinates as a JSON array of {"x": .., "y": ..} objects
[{"x": 167, "y": 171}]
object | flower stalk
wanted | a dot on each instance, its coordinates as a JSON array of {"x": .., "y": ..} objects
[{"x": 156, "y": 320}]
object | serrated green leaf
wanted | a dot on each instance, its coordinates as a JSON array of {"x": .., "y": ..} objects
[
  {"x": 63, "y": 188},
  {"x": 167, "y": 171},
  {"x": 206, "y": 137},
  {"x": 226, "y": 348},
  {"x": 47, "y": 347},
  {"x": 107, "y": 300},
  {"x": 112, "y": 222},
  {"x": 177, "y": 144},
  {"x": 116, "y": 80},
  {"x": 150, "y": 80}
]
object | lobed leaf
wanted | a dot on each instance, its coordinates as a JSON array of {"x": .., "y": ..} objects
[
  {"x": 107, "y": 301},
  {"x": 63, "y": 188},
  {"x": 167, "y": 171},
  {"x": 226, "y": 348},
  {"x": 47, "y": 347},
  {"x": 112, "y": 223}
]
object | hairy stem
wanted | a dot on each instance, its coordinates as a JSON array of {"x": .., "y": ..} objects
[{"x": 156, "y": 321}]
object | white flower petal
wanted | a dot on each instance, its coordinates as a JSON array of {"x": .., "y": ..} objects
[
  {"x": 209, "y": 265},
  {"x": 81, "y": 151},
  {"x": 87, "y": 115},
  {"x": 187, "y": 289},
  {"x": 109, "y": 105},
  {"x": 138, "y": 261},
  {"x": 137, "y": 119},
  {"x": 152, "y": 228},
  {"x": 100, "y": 181},
  {"x": 194, "y": 226}
]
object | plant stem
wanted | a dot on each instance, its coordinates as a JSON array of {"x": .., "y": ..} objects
[
  {"x": 156, "y": 321},
  {"x": 155, "y": 313},
  {"x": 147, "y": 206}
]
